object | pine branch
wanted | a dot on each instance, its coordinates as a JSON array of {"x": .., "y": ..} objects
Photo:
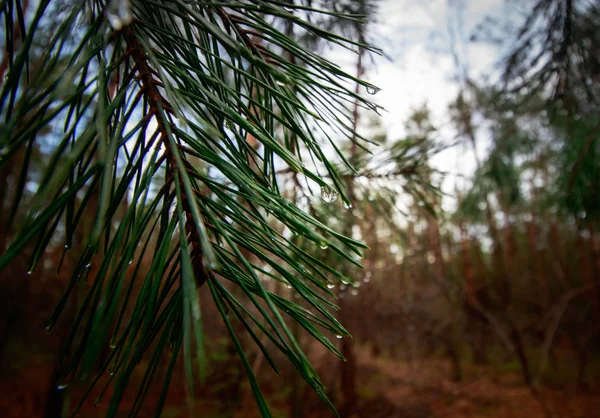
[
  {"x": 150, "y": 89},
  {"x": 171, "y": 89}
]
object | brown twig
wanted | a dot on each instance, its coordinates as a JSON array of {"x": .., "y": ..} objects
[{"x": 150, "y": 87}]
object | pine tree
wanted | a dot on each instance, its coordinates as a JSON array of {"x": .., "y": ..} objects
[{"x": 173, "y": 122}]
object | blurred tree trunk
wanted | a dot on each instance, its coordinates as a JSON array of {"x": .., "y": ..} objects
[
  {"x": 479, "y": 352},
  {"x": 533, "y": 259},
  {"x": 8, "y": 311},
  {"x": 5, "y": 176},
  {"x": 296, "y": 408},
  {"x": 453, "y": 340},
  {"x": 348, "y": 368},
  {"x": 411, "y": 279},
  {"x": 595, "y": 263},
  {"x": 295, "y": 401},
  {"x": 584, "y": 254},
  {"x": 466, "y": 263},
  {"x": 511, "y": 267}
]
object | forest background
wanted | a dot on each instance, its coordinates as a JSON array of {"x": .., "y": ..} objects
[{"x": 478, "y": 198}]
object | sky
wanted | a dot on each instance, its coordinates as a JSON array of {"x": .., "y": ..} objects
[
  {"x": 420, "y": 68},
  {"x": 416, "y": 35}
]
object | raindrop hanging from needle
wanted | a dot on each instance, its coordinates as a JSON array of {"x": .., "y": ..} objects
[
  {"x": 373, "y": 90},
  {"x": 328, "y": 194}
]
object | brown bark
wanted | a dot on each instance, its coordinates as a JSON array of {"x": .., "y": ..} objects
[
  {"x": 595, "y": 263},
  {"x": 585, "y": 264},
  {"x": 159, "y": 103},
  {"x": 348, "y": 368},
  {"x": 467, "y": 265},
  {"x": 533, "y": 260},
  {"x": 557, "y": 255},
  {"x": 452, "y": 342},
  {"x": 519, "y": 346},
  {"x": 348, "y": 376}
]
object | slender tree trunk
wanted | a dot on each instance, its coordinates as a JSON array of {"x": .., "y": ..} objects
[
  {"x": 410, "y": 280},
  {"x": 533, "y": 259},
  {"x": 452, "y": 342},
  {"x": 511, "y": 268},
  {"x": 471, "y": 297},
  {"x": 585, "y": 254},
  {"x": 595, "y": 262},
  {"x": 348, "y": 368},
  {"x": 467, "y": 265},
  {"x": 519, "y": 346},
  {"x": 561, "y": 267}
]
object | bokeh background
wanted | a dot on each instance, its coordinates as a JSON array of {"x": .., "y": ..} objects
[{"x": 480, "y": 293}]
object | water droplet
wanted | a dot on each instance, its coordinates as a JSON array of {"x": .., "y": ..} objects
[
  {"x": 328, "y": 194},
  {"x": 214, "y": 266},
  {"x": 324, "y": 246},
  {"x": 62, "y": 386},
  {"x": 373, "y": 89},
  {"x": 339, "y": 337},
  {"x": 66, "y": 247},
  {"x": 347, "y": 205},
  {"x": 130, "y": 262},
  {"x": 88, "y": 265},
  {"x": 118, "y": 13},
  {"x": 354, "y": 292},
  {"x": 345, "y": 281},
  {"x": 330, "y": 286},
  {"x": 112, "y": 343},
  {"x": 288, "y": 286},
  {"x": 29, "y": 272},
  {"x": 48, "y": 328},
  {"x": 6, "y": 77}
]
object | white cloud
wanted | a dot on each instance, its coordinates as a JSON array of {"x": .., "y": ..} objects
[{"x": 422, "y": 77}]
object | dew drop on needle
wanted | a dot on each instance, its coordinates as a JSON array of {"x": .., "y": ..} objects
[
  {"x": 328, "y": 194},
  {"x": 373, "y": 90}
]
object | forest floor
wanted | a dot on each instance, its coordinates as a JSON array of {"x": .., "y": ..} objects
[
  {"x": 424, "y": 389},
  {"x": 387, "y": 388}
]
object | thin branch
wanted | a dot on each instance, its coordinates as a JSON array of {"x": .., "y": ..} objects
[{"x": 150, "y": 87}]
